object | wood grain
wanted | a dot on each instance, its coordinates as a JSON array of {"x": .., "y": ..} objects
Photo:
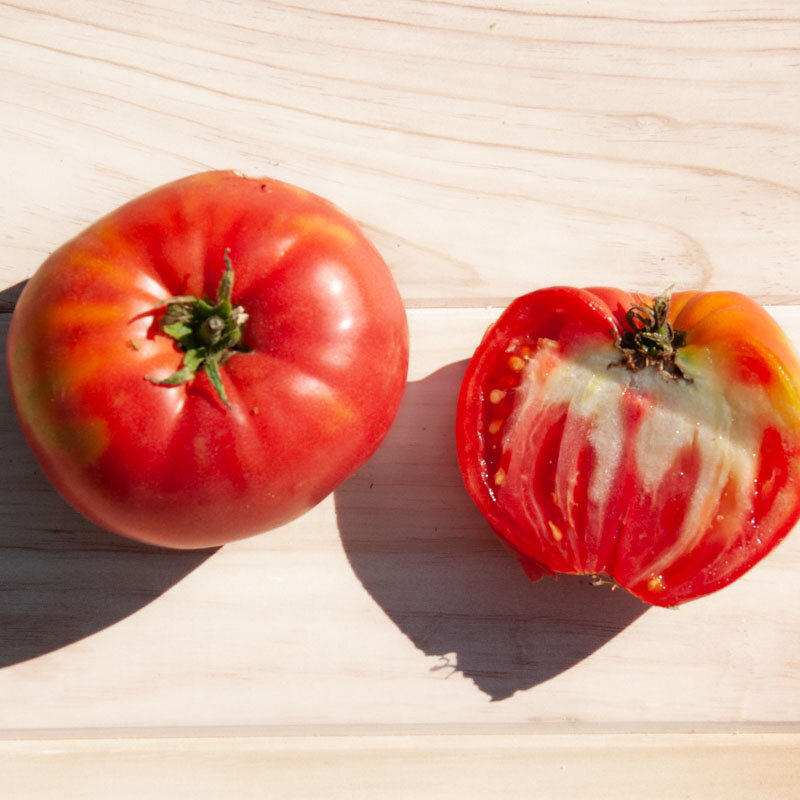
[
  {"x": 484, "y": 148},
  {"x": 391, "y": 603},
  {"x": 398, "y": 767},
  {"x": 386, "y": 641}
]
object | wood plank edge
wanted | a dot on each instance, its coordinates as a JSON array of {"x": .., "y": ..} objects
[
  {"x": 552, "y": 729},
  {"x": 447, "y": 767},
  {"x": 486, "y": 303}
]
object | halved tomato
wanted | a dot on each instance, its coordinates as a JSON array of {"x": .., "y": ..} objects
[{"x": 655, "y": 441}]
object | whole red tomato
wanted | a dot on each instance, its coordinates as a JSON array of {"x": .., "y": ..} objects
[
  {"x": 655, "y": 441},
  {"x": 209, "y": 360}
]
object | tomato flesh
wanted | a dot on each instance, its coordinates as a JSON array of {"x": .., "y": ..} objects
[{"x": 672, "y": 487}]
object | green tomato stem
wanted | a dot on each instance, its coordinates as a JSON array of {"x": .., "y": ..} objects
[{"x": 208, "y": 332}]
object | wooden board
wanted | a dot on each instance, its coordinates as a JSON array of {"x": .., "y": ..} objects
[
  {"x": 406, "y": 767},
  {"x": 487, "y": 150}
]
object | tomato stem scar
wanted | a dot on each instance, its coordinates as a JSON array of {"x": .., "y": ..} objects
[
  {"x": 208, "y": 332},
  {"x": 651, "y": 340}
]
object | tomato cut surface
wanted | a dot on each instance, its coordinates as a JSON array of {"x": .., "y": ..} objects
[
  {"x": 274, "y": 402},
  {"x": 656, "y": 442}
]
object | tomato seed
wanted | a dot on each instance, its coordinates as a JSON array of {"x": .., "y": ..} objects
[
  {"x": 556, "y": 531},
  {"x": 656, "y": 584},
  {"x": 499, "y": 400},
  {"x": 495, "y": 425}
]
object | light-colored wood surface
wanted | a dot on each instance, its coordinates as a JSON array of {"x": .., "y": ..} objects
[
  {"x": 487, "y": 150},
  {"x": 407, "y": 767}
]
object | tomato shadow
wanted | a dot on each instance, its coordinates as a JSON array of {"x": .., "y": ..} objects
[
  {"x": 430, "y": 561},
  {"x": 9, "y": 297},
  {"x": 61, "y": 577}
]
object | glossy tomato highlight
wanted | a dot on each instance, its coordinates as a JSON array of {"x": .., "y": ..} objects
[
  {"x": 655, "y": 441},
  {"x": 209, "y": 360}
]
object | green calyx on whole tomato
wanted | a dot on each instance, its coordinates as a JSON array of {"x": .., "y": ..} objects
[
  {"x": 170, "y": 403},
  {"x": 654, "y": 441},
  {"x": 208, "y": 333}
]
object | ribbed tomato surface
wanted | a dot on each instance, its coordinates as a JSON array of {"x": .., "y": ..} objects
[{"x": 328, "y": 350}]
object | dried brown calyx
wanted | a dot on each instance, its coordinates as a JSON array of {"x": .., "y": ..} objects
[{"x": 651, "y": 341}]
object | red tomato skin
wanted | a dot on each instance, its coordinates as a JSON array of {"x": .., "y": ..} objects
[
  {"x": 672, "y": 488},
  {"x": 173, "y": 466}
]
